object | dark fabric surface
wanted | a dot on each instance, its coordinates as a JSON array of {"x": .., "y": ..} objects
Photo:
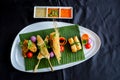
[{"x": 101, "y": 16}]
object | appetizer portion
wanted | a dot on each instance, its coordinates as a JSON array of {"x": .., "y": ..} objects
[
  {"x": 72, "y": 44},
  {"x": 86, "y": 40},
  {"x": 43, "y": 52},
  {"x": 27, "y": 46},
  {"x": 75, "y": 44},
  {"x": 54, "y": 47},
  {"x": 54, "y": 42},
  {"x": 42, "y": 46}
]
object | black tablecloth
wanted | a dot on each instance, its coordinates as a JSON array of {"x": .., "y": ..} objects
[{"x": 100, "y": 16}]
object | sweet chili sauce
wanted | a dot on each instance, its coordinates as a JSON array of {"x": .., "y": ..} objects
[{"x": 65, "y": 12}]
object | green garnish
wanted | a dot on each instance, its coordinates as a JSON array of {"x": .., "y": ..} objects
[
  {"x": 84, "y": 41},
  {"x": 46, "y": 44},
  {"x": 29, "y": 44},
  {"x": 39, "y": 47},
  {"x": 76, "y": 43},
  {"x": 54, "y": 35}
]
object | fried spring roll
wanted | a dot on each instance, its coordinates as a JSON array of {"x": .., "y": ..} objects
[
  {"x": 54, "y": 42},
  {"x": 78, "y": 45},
  {"x": 73, "y": 46}
]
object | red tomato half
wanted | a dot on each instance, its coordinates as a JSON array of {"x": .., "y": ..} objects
[
  {"x": 29, "y": 54},
  {"x": 61, "y": 48}
]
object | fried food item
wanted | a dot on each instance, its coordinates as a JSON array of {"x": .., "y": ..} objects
[
  {"x": 78, "y": 45},
  {"x": 42, "y": 46},
  {"x": 43, "y": 53},
  {"x": 72, "y": 44},
  {"x": 25, "y": 48},
  {"x": 33, "y": 47},
  {"x": 55, "y": 45},
  {"x": 28, "y": 45},
  {"x": 40, "y": 56}
]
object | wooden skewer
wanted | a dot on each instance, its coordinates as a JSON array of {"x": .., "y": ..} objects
[
  {"x": 37, "y": 65},
  {"x": 55, "y": 25},
  {"x": 50, "y": 65}
]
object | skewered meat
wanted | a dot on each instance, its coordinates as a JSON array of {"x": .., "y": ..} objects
[
  {"x": 55, "y": 45},
  {"x": 43, "y": 51}
]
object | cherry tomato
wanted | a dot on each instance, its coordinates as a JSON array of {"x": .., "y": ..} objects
[
  {"x": 29, "y": 54},
  {"x": 88, "y": 46},
  {"x": 61, "y": 48}
]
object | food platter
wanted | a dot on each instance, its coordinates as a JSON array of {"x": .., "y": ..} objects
[{"x": 17, "y": 59}]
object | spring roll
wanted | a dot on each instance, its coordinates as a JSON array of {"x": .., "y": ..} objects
[
  {"x": 73, "y": 46},
  {"x": 54, "y": 43},
  {"x": 77, "y": 43}
]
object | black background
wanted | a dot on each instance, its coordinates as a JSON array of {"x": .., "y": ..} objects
[{"x": 100, "y": 16}]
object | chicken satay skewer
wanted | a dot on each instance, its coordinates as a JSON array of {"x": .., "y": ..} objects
[
  {"x": 43, "y": 52},
  {"x": 50, "y": 65},
  {"x": 46, "y": 40},
  {"x": 40, "y": 57},
  {"x": 54, "y": 42}
]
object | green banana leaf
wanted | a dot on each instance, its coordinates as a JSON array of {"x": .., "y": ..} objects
[{"x": 67, "y": 55}]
